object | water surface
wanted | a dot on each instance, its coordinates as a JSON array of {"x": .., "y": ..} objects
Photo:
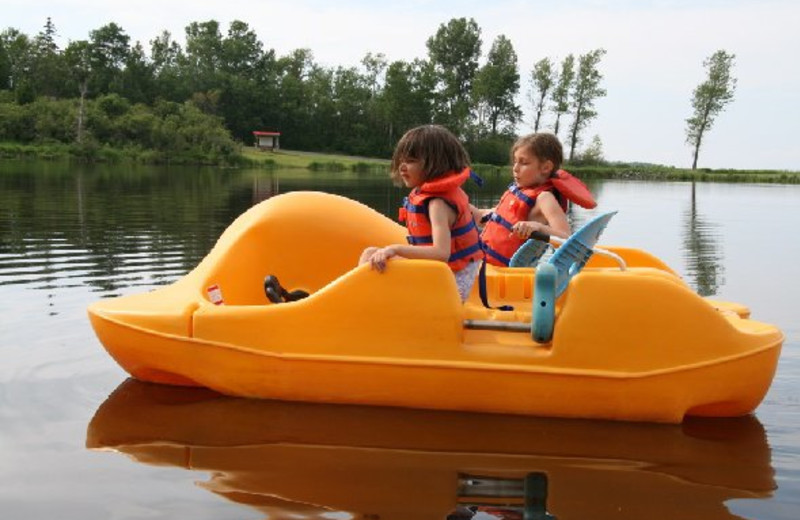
[{"x": 70, "y": 235}]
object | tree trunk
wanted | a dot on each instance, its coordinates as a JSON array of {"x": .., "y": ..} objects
[
  {"x": 81, "y": 111},
  {"x": 700, "y": 133},
  {"x": 696, "y": 151},
  {"x": 573, "y": 140},
  {"x": 574, "y": 137},
  {"x": 539, "y": 113}
]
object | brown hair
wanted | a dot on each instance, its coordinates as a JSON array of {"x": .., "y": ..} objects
[
  {"x": 545, "y": 146},
  {"x": 435, "y": 146}
]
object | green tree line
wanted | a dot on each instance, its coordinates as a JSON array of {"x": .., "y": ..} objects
[
  {"x": 203, "y": 99},
  {"x": 108, "y": 90}
]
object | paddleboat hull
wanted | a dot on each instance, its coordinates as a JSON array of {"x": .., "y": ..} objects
[{"x": 635, "y": 344}]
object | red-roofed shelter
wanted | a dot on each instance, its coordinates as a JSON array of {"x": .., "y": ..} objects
[{"x": 267, "y": 140}]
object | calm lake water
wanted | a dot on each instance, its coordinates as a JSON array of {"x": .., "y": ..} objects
[{"x": 78, "y": 440}]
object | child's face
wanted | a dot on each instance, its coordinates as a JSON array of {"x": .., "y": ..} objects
[
  {"x": 411, "y": 173},
  {"x": 529, "y": 170}
]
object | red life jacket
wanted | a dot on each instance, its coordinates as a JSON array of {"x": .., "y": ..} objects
[
  {"x": 464, "y": 238},
  {"x": 515, "y": 205}
]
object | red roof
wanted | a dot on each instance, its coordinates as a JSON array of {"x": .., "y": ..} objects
[{"x": 258, "y": 132}]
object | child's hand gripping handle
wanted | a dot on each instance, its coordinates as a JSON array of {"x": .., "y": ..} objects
[{"x": 538, "y": 235}]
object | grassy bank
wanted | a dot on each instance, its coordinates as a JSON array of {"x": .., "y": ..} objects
[
  {"x": 669, "y": 173},
  {"x": 246, "y": 157},
  {"x": 288, "y": 159},
  {"x": 327, "y": 162},
  {"x": 104, "y": 153},
  {"x": 312, "y": 161}
]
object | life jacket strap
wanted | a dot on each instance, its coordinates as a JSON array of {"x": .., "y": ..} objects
[
  {"x": 521, "y": 196},
  {"x": 482, "y": 290},
  {"x": 503, "y": 222},
  {"x": 428, "y": 239},
  {"x": 497, "y": 256},
  {"x": 458, "y": 255}
]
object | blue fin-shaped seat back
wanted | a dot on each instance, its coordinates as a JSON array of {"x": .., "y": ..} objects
[
  {"x": 573, "y": 254},
  {"x": 528, "y": 253}
]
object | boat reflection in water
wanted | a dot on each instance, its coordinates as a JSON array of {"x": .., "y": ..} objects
[{"x": 304, "y": 460}]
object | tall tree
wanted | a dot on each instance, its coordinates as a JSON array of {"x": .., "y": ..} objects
[
  {"x": 18, "y": 50},
  {"x": 321, "y": 119},
  {"x": 584, "y": 93},
  {"x": 45, "y": 41},
  {"x": 5, "y": 66},
  {"x": 497, "y": 85},
  {"x": 109, "y": 53},
  {"x": 454, "y": 52},
  {"x": 375, "y": 66},
  {"x": 394, "y": 101},
  {"x": 407, "y": 98},
  {"x": 709, "y": 98},
  {"x": 47, "y": 69},
  {"x": 374, "y": 77},
  {"x": 542, "y": 80},
  {"x": 79, "y": 62},
  {"x": 247, "y": 79},
  {"x": 164, "y": 51},
  {"x": 204, "y": 55},
  {"x": 562, "y": 89},
  {"x": 242, "y": 52},
  {"x": 137, "y": 78},
  {"x": 293, "y": 116},
  {"x": 167, "y": 60},
  {"x": 351, "y": 95}
]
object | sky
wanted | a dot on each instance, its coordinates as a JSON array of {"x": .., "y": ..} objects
[{"x": 655, "y": 53}]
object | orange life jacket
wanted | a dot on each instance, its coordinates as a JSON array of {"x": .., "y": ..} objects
[
  {"x": 515, "y": 206},
  {"x": 465, "y": 244},
  {"x": 573, "y": 189}
]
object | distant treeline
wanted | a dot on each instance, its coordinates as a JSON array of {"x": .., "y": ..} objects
[
  {"x": 167, "y": 132},
  {"x": 204, "y": 99}
]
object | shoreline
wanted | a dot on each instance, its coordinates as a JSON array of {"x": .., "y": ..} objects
[{"x": 249, "y": 157}]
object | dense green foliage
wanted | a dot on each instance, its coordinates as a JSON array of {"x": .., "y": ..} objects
[
  {"x": 169, "y": 101},
  {"x": 167, "y": 132}
]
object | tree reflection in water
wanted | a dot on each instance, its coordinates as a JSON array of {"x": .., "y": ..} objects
[{"x": 702, "y": 250}]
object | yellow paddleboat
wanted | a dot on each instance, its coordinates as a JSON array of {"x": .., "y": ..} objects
[{"x": 628, "y": 342}]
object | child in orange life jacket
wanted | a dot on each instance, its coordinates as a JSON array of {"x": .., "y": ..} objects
[
  {"x": 535, "y": 201},
  {"x": 432, "y": 162}
]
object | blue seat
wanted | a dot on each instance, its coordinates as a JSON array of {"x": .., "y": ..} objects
[
  {"x": 573, "y": 254},
  {"x": 552, "y": 278},
  {"x": 530, "y": 252}
]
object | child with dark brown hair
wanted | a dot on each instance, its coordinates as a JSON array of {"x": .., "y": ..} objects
[{"x": 433, "y": 163}]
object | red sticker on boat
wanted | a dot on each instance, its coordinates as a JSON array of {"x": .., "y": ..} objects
[{"x": 215, "y": 294}]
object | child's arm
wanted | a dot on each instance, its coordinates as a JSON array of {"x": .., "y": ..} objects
[
  {"x": 442, "y": 216},
  {"x": 478, "y": 213},
  {"x": 548, "y": 207}
]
